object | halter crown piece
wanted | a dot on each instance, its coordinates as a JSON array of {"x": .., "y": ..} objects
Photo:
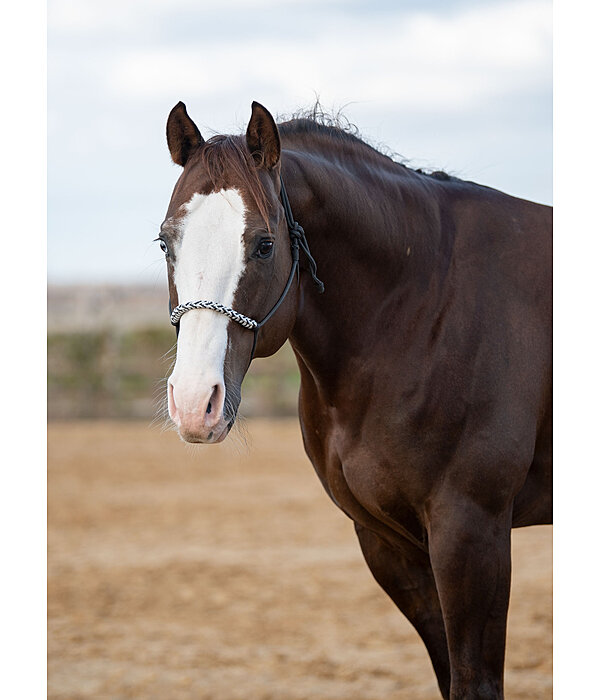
[{"x": 297, "y": 241}]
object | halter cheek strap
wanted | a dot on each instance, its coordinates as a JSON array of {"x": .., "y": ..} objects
[{"x": 297, "y": 241}]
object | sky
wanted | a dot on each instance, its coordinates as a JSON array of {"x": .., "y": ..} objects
[{"x": 459, "y": 85}]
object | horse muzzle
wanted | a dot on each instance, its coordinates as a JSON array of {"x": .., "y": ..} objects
[{"x": 197, "y": 410}]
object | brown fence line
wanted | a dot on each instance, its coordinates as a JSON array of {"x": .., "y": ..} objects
[
  {"x": 120, "y": 373},
  {"x": 91, "y": 307}
]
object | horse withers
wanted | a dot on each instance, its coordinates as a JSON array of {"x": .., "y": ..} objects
[{"x": 426, "y": 379}]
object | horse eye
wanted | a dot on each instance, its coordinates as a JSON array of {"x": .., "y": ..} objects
[
  {"x": 164, "y": 247},
  {"x": 265, "y": 249}
]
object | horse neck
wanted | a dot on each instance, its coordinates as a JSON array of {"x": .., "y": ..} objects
[{"x": 374, "y": 230}]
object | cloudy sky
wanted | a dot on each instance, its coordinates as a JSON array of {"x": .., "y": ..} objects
[{"x": 462, "y": 85}]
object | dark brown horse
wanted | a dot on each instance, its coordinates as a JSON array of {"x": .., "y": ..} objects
[{"x": 426, "y": 382}]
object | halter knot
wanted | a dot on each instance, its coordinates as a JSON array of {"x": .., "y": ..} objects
[{"x": 299, "y": 240}]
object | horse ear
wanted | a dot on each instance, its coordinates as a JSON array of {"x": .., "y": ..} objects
[
  {"x": 262, "y": 137},
  {"x": 183, "y": 136}
]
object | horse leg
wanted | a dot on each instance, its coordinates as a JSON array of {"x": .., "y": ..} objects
[
  {"x": 405, "y": 575},
  {"x": 470, "y": 556}
]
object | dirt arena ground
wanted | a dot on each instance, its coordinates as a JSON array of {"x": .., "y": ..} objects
[{"x": 222, "y": 573}]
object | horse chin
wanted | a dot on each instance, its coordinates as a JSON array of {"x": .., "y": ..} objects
[{"x": 217, "y": 434}]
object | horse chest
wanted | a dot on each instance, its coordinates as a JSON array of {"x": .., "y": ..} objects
[{"x": 374, "y": 491}]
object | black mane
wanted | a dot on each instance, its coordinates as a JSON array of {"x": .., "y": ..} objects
[{"x": 315, "y": 120}]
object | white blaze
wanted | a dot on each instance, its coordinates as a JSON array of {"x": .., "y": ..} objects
[{"x": 209, "y": 262}]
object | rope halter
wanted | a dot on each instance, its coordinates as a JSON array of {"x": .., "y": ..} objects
[{"x": 297, "y": 241}]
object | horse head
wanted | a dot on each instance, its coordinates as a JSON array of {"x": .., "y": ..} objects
[{"x": 228, "y": 253}]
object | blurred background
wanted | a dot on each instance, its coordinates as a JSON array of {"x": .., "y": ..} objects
[
  {"x": 460, "y": 85},
  {"x": 226, "y": 572}
]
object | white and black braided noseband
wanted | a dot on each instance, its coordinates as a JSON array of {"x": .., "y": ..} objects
[{"x": 244, "y": 321}]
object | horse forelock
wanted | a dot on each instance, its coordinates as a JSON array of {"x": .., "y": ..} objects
[{"x": 226, "y": 160}]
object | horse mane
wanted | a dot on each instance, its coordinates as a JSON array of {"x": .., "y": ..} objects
[
  {"x": 336, "y": 126},
  {"x": 316, "y": 119},
  {"x": 226, "y": 154}
]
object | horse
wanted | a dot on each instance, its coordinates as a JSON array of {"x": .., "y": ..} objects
[{"x": 419, "y": 309}]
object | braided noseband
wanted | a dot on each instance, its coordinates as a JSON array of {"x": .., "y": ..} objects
[
  {"x": 178, "y": 312},
  {"x": 297, "y": 241}
]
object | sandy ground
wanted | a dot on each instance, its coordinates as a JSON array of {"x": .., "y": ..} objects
[{"x": 225, "y": 572}]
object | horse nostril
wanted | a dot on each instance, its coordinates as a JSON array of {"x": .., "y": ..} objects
[
  {"x": 214, "y": 397},
  {"x": 173, "y": 412}
]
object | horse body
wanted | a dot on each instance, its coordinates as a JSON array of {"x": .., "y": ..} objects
[
  {"x": 425, "y": 399},
  {"x": 437, "y": 352}
]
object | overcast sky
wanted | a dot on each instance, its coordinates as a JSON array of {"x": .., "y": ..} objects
[{"x": 461, "y": 85}]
